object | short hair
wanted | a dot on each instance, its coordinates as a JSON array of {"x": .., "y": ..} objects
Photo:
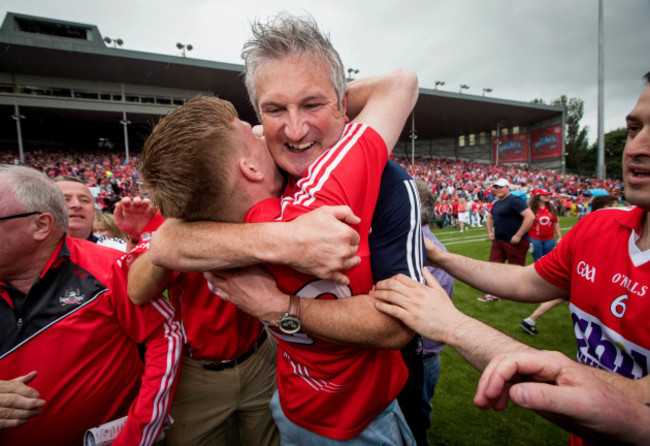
[
  {"x": 427, "y": 202},
  {"x": 646, "y": 77},
  {"x": 69, "y": 178},
  {"x": 186, "y": 160},
  {"x": 287, "y": 35},
  {"x": 603, "y": 201},
  {"x": 37, "y": 193}
]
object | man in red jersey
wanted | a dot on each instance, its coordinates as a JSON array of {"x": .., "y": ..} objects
[
  {"x": 602, "y": 266},
  {"x": 228, "y": 365},
  {"x": 329, "y": 391},
  {"x": 68, "y": 333}
]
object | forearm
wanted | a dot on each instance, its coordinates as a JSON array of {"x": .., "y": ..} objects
[
  {"x": 558, "y": 231},
  {"x": 504, "y": 280},
  {"x": 146, "y": 280},
  {"x": 384, "y": 102},
  {"x": 529, "y": 219},
  {"x": 637, "y": 389},
  {"x": 204, "y": 246},
  {"x": 353, "y": 320},
  {"x": 489, "y": 225},
  {"x": 478, "y": 343}
]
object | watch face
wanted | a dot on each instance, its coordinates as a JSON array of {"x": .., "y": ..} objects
[{"x": 289, "y": 324}]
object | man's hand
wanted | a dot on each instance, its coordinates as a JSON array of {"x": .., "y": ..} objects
[
  {"x": 515, "y": 239},
  {"x": 18, "y": 401},
  {"x": 252, "y": 289},
  {"x": 323, "y": 243},
  {"x": 564, "y": 392},
  {"x": 133, "y": 214},
  {"x": 425, "y": 309}
]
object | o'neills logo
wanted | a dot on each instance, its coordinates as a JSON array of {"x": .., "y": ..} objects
[
  {"x": 71, "y": 296},
  {"x": 586, "y": 271}
]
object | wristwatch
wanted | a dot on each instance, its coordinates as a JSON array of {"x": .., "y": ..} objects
[{"x": 290, "y": 322}]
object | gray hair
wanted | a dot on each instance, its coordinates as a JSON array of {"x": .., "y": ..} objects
[
  {"x": 288, "y": 35},
  {"x": 37, "y": 193},
  {"x": 427, "y": 202}
]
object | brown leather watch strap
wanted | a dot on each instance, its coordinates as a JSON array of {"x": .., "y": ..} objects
[{"x": 294, "y": 306}]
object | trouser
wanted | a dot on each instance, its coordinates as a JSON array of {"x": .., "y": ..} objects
[
  {"x": 205, "y": 399},
  {"x": 389, "y": 428}
]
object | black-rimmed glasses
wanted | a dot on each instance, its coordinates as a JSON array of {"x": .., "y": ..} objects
[{"x": 26, "y": 214}]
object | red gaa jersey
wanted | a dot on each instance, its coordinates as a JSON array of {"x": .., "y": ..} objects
[
  {"x": 216, "y": 330},
  {"x": 543, "y": 227},
  {"x": 330, "y": 389},
  {"x": 77, "y": 328},
  {"x": 608, "y": 280}
]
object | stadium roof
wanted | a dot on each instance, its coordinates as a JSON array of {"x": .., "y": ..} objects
[{"x": 52, "y": 48}]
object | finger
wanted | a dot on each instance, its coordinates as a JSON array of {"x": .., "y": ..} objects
[
  {"x": 544, "y": 397},
  {"x": 390, "y": 309},
  {"x": 351, "y": 263},
  {"x": 431, "y": 281},
  {"x": 339, "y": 278},
  {"x": 258, "y": 131},
  {"x": 9, "y": 424},
  {"x": 26, "y": 379},
  {"x": 345, "y": 214}
]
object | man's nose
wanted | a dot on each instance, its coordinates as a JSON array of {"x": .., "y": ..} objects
[
  {"x": 640, "y": 144},
  {"x": 296, "y": 127}
]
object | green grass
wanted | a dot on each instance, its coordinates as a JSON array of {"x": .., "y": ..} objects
[{"x": 455, "y": 419}]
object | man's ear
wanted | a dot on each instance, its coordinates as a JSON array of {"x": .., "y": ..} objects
[
  {"x": 43, "y": 226},
  {"x": 250, "y": 170},
  {"x": 344, "y": 106}
]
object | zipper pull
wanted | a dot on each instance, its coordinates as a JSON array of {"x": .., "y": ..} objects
[{"x": 19, "y": 323}]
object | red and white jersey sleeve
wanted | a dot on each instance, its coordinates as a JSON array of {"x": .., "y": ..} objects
[
  {"x": 334, "y": 390},
  {"x": 85, "y": 351},
  {"x": 215, "y": 330},
  {"x": 157, "y": 327},
  {"x": 608, "y": 280}
]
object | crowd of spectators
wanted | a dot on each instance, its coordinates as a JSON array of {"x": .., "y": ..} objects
[
  {"x": 453, "y": 180},
  {"x": 111, "y": 178},
  {"x": 108, "y": 175}
]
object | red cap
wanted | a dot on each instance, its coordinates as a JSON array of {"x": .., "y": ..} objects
[{"x": 540, "y": 191}]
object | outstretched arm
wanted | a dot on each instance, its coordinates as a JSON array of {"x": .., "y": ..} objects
[
  {"x": 320, "y": 243},
  {"x": 565, "y": 392},
  {"x": 514, "y": 282},
  {"x": 429, "y": 311},
  {"x": 384, "y": 102},
  {"x": 254, "y": 290}
]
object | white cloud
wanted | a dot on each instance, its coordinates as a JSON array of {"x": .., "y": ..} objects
[{"x": 522, "y": 49}]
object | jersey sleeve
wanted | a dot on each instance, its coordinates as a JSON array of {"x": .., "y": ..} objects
[
  {"x": 519, "y": 205},
  {"x": 556, "y": 266},
  {"x": 157, "y": 327},
  {"x": 349, "y": 173},
  {"x": 396, "y": 244}
]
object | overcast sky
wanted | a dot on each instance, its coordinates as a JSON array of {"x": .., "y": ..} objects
[{"x": 522, "y": 49}]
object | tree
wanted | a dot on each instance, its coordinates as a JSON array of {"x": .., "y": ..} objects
[
  {"x": 579, "y": 158},
  {"x": 614, "y": 145}
]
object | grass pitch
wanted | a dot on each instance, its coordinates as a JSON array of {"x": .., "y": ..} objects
[{"x": 455, "y": 419}]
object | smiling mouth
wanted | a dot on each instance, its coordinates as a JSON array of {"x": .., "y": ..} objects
[
  {"x": 638, "y": 173},
  {"x": 297, "y": 148}
]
